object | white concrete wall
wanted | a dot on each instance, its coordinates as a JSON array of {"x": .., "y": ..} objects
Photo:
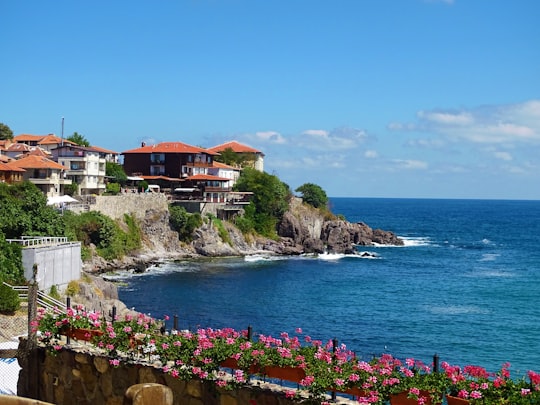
[{"x": 57, "y": 265}]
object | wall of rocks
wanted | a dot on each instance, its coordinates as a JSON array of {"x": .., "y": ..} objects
[
  {"x": 78, "y": 376},
  {"x": 134, "y": 203}
]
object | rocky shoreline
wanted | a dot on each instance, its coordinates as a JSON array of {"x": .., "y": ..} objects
[{"x": 303, "y": 229}]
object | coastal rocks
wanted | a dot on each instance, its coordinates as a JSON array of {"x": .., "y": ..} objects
[
  {"x": 308, "y": 228},
  {"x": 208, "y": 242}
]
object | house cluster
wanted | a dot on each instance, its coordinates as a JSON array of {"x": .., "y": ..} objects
[{"x": 184, "y": 171}]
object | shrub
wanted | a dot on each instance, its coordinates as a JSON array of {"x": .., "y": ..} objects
[
  {"x": 73, "y": 288},
  {"x": 183, "y": 222},
  {"x": 9, "y": 300},
  {"x": 53, "y": 292}
]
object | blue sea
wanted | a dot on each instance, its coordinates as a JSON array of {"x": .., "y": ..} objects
[{"x": 466, "y": 286}]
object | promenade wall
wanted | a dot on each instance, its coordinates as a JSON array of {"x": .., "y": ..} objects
[
  {"x": 78, "y": 376},
  {"x": 129, "y": 203}
]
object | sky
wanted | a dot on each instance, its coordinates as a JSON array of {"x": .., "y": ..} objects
[{"x": 365, "y": 98}]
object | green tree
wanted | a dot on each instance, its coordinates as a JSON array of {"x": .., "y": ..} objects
[
  {"x": 269, "y": 202},
  {"x": 313, "y": 195},
  {"x": 183, "y": 222},
  {"x": 232, "y": 158},
  {"x": 116, "y": 171},
  {"x": 5, "y": 132},
  {"x": 78, "y": 139},
  {"x": 11, "y": 269},
  {"x": 24, "y": 212}
]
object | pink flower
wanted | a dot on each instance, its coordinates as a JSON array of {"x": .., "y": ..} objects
[
  {"x": 476, "y": 394},
  {"x": 290, "y": 393}
]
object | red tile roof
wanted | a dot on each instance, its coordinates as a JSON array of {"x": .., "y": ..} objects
[
  {"x": 36, "y": 162},
  {"x": 49, "y": 139},
  {"x": 4, "y": 167},
  {"x": 235, "y": 146},
  {"x": 206, "y": 177},
  {"x": 170, "y": 147},
  {"x": 223, "y": 166}
]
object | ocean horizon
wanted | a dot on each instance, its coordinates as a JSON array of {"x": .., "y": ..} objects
[{"x": 463, "y": 287}]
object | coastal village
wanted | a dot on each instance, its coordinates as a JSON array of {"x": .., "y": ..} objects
[
  {"x": 182, "y": 171},
  {"x": 157, "y": 176}
]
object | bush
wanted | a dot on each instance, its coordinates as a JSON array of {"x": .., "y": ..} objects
[
  {"x": 73, "y": 288},
  {"x": 53, "y": 292},
  {"x": 183, "y": 222},
  {"x": 9, "y": 300}
]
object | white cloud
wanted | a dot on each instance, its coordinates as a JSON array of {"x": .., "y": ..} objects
[
  {"x": 446, "y": 118},
  {"x": 514, "y": 123},
  {"x": 503, "y": 156},
  {"x": 271, "y": 137},
  {"x": 410, "y": 164},
  {"x": 337, "y": 139},
  {"x": 371, "y": 154}
]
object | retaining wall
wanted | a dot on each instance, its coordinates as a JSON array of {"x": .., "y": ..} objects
[
  {"x": 56, "y": 264},
  {"x": 78, "y": 376}
]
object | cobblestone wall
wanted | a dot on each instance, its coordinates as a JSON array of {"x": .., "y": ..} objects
[
  {"x": 78, "y": 376},
  {"x": 137, "y": 203}
]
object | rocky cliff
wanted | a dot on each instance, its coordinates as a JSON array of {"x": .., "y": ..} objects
[{"x": 303, "y": 229}]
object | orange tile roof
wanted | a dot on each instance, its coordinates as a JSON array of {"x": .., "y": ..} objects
[
  {"x": 223, "y": 166},
  {"x": 36, "y": 162},
  {"x": 38, "y": 152},
  {"x": 49, "y": 139},
  {"x": 4, "y": 167},
  {"x": 206, "y": 177},
  {"x": 170, "y": 147},
  {"x": 235, "y": 146},
  {"x": 166, "y": 178},
  {"x": 103, "y": 150},
  {"x": 18, "y": 147}
]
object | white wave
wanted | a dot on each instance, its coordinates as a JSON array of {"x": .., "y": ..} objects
[
  {"x": 261, "y": 258},
  {"x": 489, "y": 257},
  {"x": 410, "y": 241},
  {"x": 456, "y": 309},
  {"x": 331, "y": 256},
  {"x": 486, "y": 241},
  {"x": 491, "y": 273}
]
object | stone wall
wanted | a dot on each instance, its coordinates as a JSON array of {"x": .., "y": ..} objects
[
  {"x": 78, "y": 376},
  {"x": 130, "y": 203}
]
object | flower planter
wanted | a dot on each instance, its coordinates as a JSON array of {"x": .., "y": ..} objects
[
  {"x": 403, "y": 398},
  {"x": 293, "y": 374},
  {"x": 83, "y": 334},
  {"x": 355, "y": 391},
  {"x": 232, "y": 363},
  {"x": 450, "y": 400}
]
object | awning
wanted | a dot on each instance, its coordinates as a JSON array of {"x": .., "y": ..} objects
[
  {"x": 59, "y": 199},
  {"x": 135, "y": 178}
]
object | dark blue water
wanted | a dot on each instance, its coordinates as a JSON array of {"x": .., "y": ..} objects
[{"x": 466, "y": 286}]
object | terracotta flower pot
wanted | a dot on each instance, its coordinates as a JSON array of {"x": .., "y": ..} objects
[
  {"x": 232, "y": 363},
  {"x": 83, "y": 334},
  {"x": 294, "y": 374},
  {"x": 403, "y": 398},
  {"x": 450, "y": 400}
]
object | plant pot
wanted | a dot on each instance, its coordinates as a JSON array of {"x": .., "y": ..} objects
[
  {"x": 403, "y": 398},
  {"x": 451, "y": 400},
  {"x": 232, "y": 363},
  {"x": 294, "y": 374},
  {"x": 83, "y": 334},
  {"x": 355, "y": 391}
]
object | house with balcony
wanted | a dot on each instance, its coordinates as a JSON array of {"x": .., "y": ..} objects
[
  {"x": 45, "y": 173},
  {"x": 222, "y": 170},
  {"x": 10, "y": 174},
  {"x": 167, "y": 162},
  {"x": 84, "y": 166}
]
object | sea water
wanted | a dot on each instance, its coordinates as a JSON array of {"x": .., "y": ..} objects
[{"x": 465, "y": 286}]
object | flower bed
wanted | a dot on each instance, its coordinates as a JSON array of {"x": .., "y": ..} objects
[{"x": 318, "y": 368}]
